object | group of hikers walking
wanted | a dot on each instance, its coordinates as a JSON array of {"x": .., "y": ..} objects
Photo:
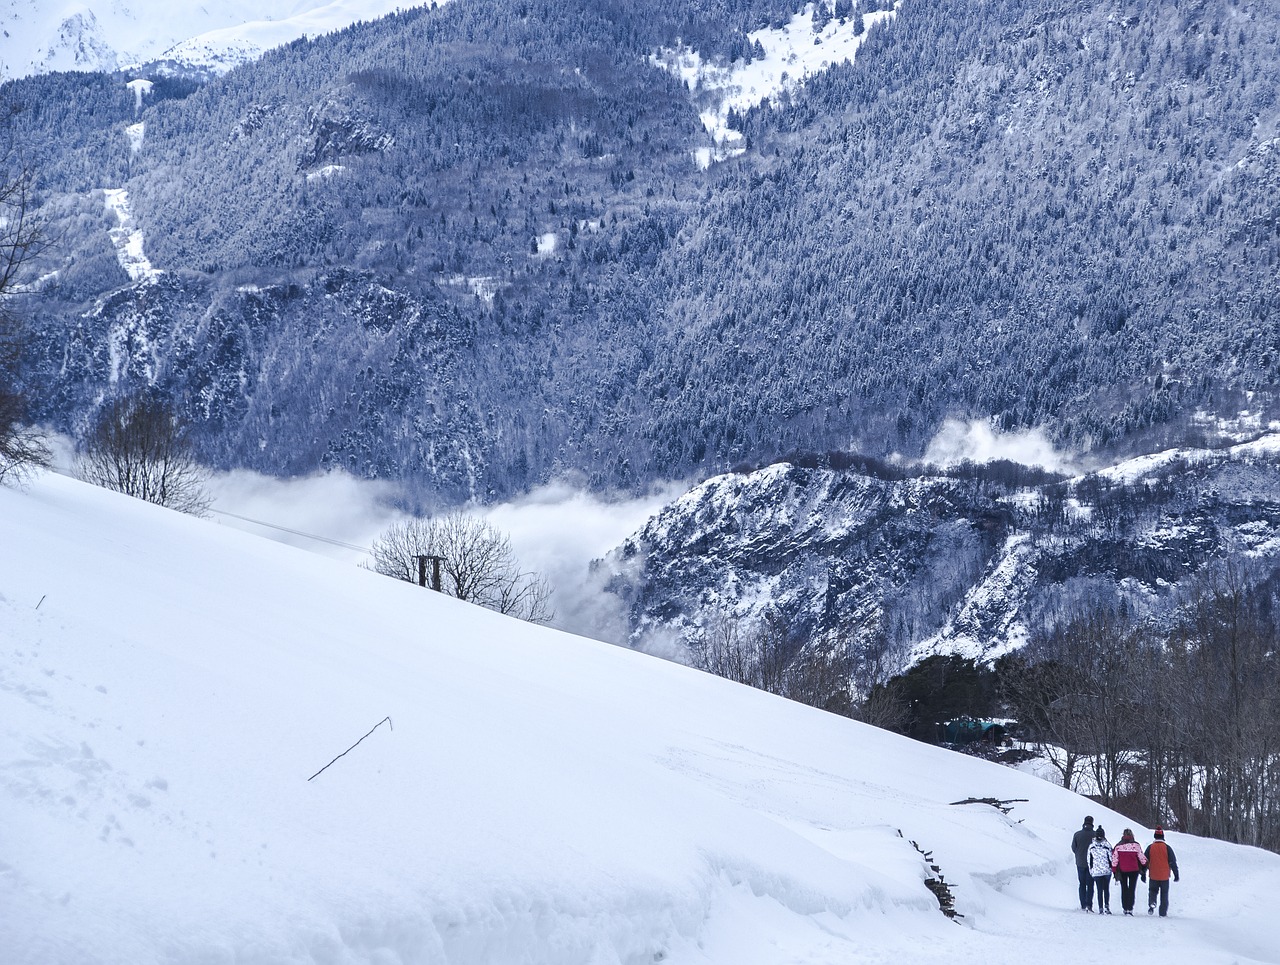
[{"x": 1097, "y": 861}]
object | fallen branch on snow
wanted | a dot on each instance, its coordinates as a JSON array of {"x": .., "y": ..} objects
[
  {"x": 1003, "y": 806},
  {"x": 385, "y": 720}
]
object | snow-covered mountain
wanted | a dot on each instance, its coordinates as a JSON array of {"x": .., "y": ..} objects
[
  {"x": 206, "y": 38},
  {"x": 171, "y": 692},
  {"x": 957, "y": 563},
  {"x": 913, "y": 233}
]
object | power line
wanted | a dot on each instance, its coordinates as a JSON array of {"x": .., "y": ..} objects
[
  {"x": 295, "y": 532},
  {"x": 362, "y": 549}
]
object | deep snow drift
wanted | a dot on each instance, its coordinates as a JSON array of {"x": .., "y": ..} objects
[{"x": 168, "y": 686}]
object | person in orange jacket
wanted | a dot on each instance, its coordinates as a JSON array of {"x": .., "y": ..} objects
[
  {"x": 1128, "y": 860},
  {"x": 1161, "y": 862}
]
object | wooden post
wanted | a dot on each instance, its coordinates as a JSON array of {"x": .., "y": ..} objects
[{"x": 435, "y": 570}]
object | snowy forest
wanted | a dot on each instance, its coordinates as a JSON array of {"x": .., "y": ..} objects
[{"x": 469, "y": 248}]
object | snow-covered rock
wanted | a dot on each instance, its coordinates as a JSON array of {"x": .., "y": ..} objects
[{"x": 941, "y": 564}]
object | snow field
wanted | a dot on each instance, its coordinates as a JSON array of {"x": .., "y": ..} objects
[
  {"x": 168, "y": 686},
  {"x": 127, "y": 238},
  {"x": 792, "y": 54}
]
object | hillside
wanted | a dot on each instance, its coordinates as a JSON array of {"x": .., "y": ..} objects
[
  {"x": 902, "y": 562},
  {"x": 493, "y": 237},
  {"x": 169, "y": 688}
]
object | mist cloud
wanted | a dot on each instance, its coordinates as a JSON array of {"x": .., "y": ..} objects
[
  {"x": 558, "y": 531},
  {"x": 555, "y": 531},
  {"x": 977, "y": 441},
  {"x": 334, "y": 514}
]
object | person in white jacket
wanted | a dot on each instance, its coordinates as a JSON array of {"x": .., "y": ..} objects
[{"x": 1100, "y": 869}]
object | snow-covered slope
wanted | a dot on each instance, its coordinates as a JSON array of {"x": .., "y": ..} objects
[
  {"x": 170, "y": 691},
  {"x": 214, "y": 37},
  {"x": 785, "y": 58}
]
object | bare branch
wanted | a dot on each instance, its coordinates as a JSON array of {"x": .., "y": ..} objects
[
  {"x": 22, "y": 448},
  {"x": 138, "y": 447},
  {"x": 477, "y": 563}
]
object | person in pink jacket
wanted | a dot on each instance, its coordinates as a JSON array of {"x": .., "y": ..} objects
[{"x": 1128, "y": 861}]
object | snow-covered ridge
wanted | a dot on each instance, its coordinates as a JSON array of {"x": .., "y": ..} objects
[
  {"x": 949, "y": 564},
  {"x": 1144, "y": 467},
  {"x": 985, "y": 614},
  {"x": 988, "y": 623},
  {"x": 217, "y": 51},
  {"x": 792, "y": 54},
  {"x": 114, "y": 34}
]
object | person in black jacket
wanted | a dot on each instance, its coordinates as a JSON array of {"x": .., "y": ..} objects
[{"x": 1080, "y": 848}]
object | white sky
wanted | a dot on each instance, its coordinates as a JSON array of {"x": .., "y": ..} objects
[{"x": 168, "y": 686}]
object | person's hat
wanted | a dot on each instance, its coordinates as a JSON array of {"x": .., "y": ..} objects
[
  {"x": 1099, "y": 834},
  {"x": 1160, "y": 833},
  {"x": 1088, "y": 819}
]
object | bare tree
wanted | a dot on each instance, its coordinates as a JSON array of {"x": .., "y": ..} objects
[
  {"x": 823, "y": 672},
  {"x": 878, "y": 702},
  {"x": 723, "y": 649},
  {"x": 751, "y": 652},
  {"x": 22, "y": 447},
  {"x": 1103, "y": 648},
  {"x": 1042, "y": 691},
  {"x": 138, "y": 447},
  {"x": 770, "y": 645},
  {"x": 1225, "y": 657},
  {"x": 477, "y": 563},
  {"x": 1176, "y": 725},
  {"x": 21, "y": 238}
]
